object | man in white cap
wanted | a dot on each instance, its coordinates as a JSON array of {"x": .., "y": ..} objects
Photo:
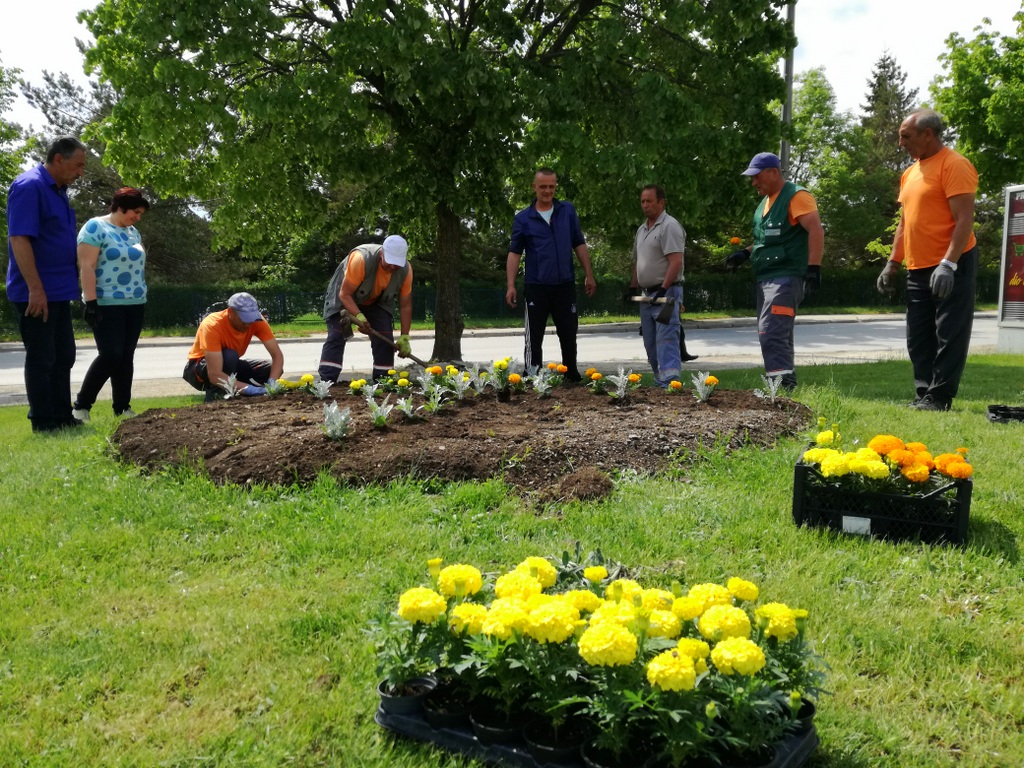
[
  {"x": 786, "y": 260},
  {"x": 363, "y": 291},
  {"x": 223, "y": 337}
]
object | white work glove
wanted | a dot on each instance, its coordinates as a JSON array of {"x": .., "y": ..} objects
[{"x": 941, "y": 282}]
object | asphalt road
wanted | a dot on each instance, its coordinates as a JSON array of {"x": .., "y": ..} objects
[{"x": 721, "y": 344}]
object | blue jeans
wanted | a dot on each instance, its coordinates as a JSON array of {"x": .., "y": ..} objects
[
  {"x": 49, "y": 356},
  {"x": 661, "y": 340}
]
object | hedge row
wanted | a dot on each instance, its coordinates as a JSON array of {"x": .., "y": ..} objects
[{"x": 176, "y": 306}]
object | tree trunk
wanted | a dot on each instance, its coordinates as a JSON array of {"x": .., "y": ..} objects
[{"x": 448, "y": 323}]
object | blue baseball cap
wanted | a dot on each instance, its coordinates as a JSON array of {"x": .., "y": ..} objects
[
  {"x": 760, "y": 162},
  {"x": 246, "y": 306}
]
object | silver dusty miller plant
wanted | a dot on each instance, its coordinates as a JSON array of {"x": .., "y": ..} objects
[
  {"x": 623, "y": 386},
  {"x": 275, "y": 388},
  {"x": 321, "y": 390},
  {"x": 772, "y": 385},
  {"x": 702, "y": 390},
  {"x": 337, "y": 421},
  {"x": 228, "y": 385},
  {"x": 405, "y": 407},
  {"x": 380, "y": 413}
]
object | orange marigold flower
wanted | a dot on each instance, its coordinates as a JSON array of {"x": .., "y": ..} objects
[
  {"x": 562, "y": 368},
  {"x": 943, "y": 460},
  {"x": 675, "y": 384},
  {"x": 923, "y": 457},
  {"x": 595, "y": 376},
  {"x": 916, "y": 473},
  {"x": 514, "y": 378},
  {"x": 735, "y": 241},
  {"x": 901, "y": 457},
  {"x": 962, "y": 451},
  {"x": 883, "y": 445},
  {"x": 711, "y": 381},
  {"x": 552, "y": 366},
  {"x": 960, "y": 470},
  {"x": 916, "y": 447}
]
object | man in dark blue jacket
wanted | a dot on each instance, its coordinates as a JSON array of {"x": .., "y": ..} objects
[{"x": 548, "y": 232}]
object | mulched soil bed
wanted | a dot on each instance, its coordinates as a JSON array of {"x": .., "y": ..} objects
[{"x": 564, "y": 446}]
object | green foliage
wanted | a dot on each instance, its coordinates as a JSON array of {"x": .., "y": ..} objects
[
  {"x": 12, "y": 152},
  {"x": 323, "y": 120},
  {"x": 981, "y": 94}
]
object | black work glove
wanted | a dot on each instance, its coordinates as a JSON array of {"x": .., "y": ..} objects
[
  {"x": 812, "y": 280},
  {"x": 91, "y": 314},
  {"x": 941, "y": 281},
  {"x": 630, "y": 294},
  {"x": 660, "y": 293},
  {"x": 734, "y": 259}
]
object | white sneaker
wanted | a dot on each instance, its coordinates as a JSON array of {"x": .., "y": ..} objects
[
  {"x": 129, "y": 414},
  {"x": 82, "y": 414}
]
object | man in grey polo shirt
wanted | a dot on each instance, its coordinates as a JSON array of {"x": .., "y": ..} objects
[{"x": 658, "y": 270}]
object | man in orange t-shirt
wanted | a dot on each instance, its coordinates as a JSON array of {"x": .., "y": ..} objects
[
  {"x": 363, "y": 291},
  {"x": 935, "y": 239},
  {"x": 222, "y": 339}
]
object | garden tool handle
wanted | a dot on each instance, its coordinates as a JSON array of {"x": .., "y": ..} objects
[{"x": 389, "y": 342}]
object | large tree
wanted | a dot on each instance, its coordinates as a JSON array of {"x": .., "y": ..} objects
[
  {"x": 12, "y": 148},
  {"x": 322, "y": 115},
  {"x": 981, "y": 94}
]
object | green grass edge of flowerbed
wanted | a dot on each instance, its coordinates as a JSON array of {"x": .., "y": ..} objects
[{"x": 163, "y": 620}]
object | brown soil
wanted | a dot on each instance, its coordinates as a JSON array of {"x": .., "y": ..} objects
[{"x": 564, "y": 446}]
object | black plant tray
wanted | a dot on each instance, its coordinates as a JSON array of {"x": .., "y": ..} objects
[
  {"x": 940, "y": 516},
  {"x": 1004, "y": 414},
  {"x": 792, "y": 752}
]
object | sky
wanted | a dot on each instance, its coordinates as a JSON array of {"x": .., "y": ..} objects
[{"x": 846, "y": 37}]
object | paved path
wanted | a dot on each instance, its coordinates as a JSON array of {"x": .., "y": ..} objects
[{"x": 721, "y": 344}]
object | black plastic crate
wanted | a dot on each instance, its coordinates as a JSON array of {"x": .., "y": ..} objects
[
  {"x": 792, "y": 752},
  {"x": 939, "y": 516}
]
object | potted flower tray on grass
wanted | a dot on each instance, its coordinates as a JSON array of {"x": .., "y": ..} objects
[{"x": 889, "y": 489}]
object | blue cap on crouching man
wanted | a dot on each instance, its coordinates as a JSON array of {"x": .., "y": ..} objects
[
  {"x": 760, "y": 162},
  {"x": 246, "y": 306}
]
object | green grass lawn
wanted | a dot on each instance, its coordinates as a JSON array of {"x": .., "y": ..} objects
[{"x": 161, "y": 620}]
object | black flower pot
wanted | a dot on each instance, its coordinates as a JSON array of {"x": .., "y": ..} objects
[
  {"x": 554, "y": 745},
  {"x": 406, "y": 699},
  {"x": 447, "y": 705},
  {"x": 494, "y": 726}
]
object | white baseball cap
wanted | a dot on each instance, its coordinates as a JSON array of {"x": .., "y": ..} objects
[{"x": 395, "y": 250}]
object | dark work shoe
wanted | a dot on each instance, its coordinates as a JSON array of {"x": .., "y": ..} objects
[
  {"x": 212, "y": 395},
  {"x": 932, "y": 403},
  {"x": 689, "y": 358},
  {"x": 573, "y": 376}
]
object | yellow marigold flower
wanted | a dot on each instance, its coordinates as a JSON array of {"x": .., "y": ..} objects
[
  {"x": 608, "y": 645},
  {"x": 451, "y": 370},
  {"x": 688, "y": 608},
  {"x": 514, "y": 378},
  {"x": 867, "y": 454},
  {"x": 595, "y": 376},
  {"x": 711, "y": 381},
  {"x": 468, "y": 617},
  {"x": 459, "y": 580},
  {"x": 539, "y": 567},
  {"x": 422, "y": 605},
  {"x": 825, "y": 438},
  {"x": 657, "y": 599},
  {"x": 283, "y": 382},
  {"x": 434, "y": 566},
  {"x": 392, "y": 372},
  {"x": 553, "y": 622},
  {"x": 307, "y": 378},
  {"x": 595, "y": 573},
  {"x": 355, "y": 384},
  {"x": 711, "y": 594},
  {"x": 677, "y": 385},
  {"x": 517, "y": 584},
  {"x": 662, "y": 623},
  {"x": 818, "y": 455},
  {"x": 916, "y": 473},
  {"x": 403, "y": 382},
  {"x": 536, "y": 601},
  {"x": 835, "y": 466},
  {"x": 742, "y": 589},
  {"x": 960, "y": 470},
  {"x": 694, "y": 648},
  {"x": 505, "y": 616},
  {"x": 634, "y": 378},
  {"x": 583, "y": 599},
  {"x": 622, "y": 614},
  {"x": 500, "y": 365},
  {"x": 885, "y": 444},
  {"x": 777, "y": 620},
  {"x": 622, "y": 589},
  {"x": 672, "y": 671},
  {"x": 876, "y": 470},
  {"x": 738, "y": 654},
  {"x": 562, "y": 368},
  {"x": 722, "y": 621}
]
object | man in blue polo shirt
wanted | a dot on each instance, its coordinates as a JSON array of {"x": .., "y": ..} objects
[
  {"x": 42, "y": 279},
  {"x": 549, "y": 233}
]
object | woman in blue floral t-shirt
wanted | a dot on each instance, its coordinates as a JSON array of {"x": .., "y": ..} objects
[{"x": 112, "y": 264}]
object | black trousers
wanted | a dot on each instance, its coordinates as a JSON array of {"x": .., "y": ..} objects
[
  {"x": 252, "y": 371},
  {"x": 332, "y": 355},
  {"x": 939, "y": 332},
  {"x": 117, "y": 336},
  {"x": 49, "y": 356},
  {"x": 558, "y": 302}
]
